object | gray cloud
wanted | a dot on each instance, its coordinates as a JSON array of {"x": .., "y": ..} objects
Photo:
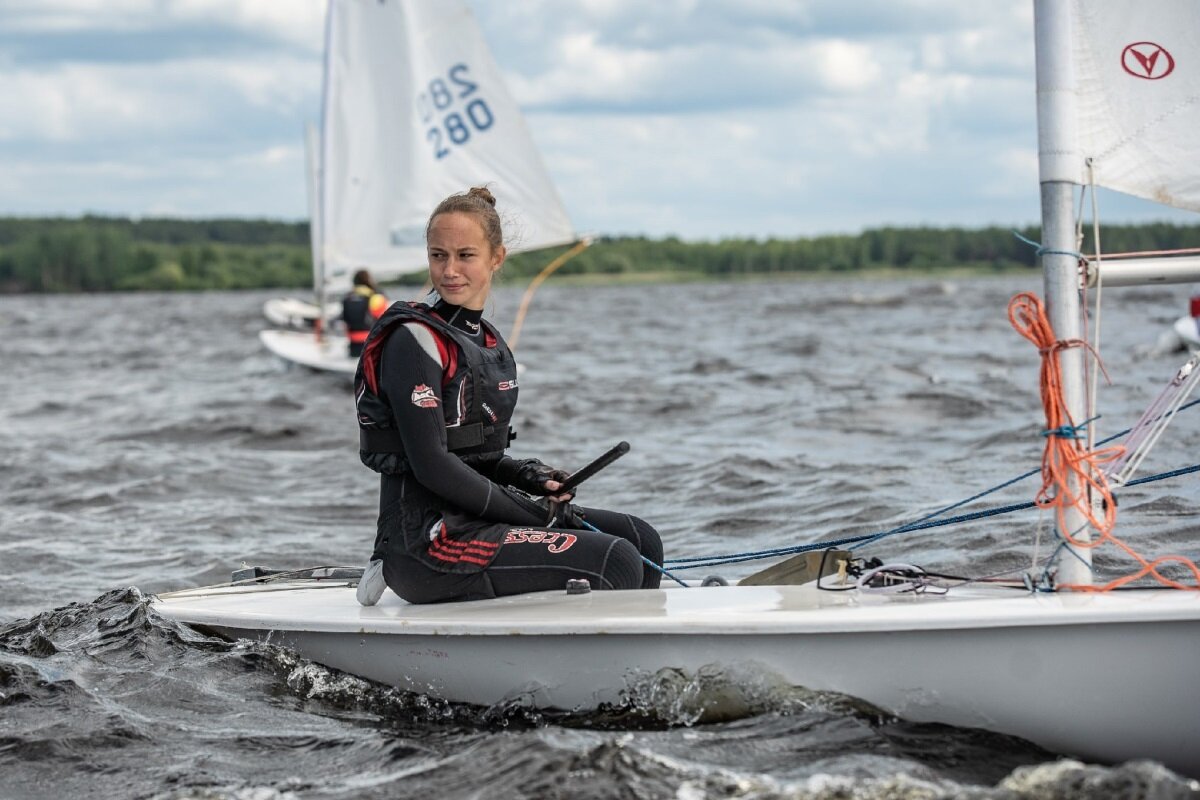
[{"x": 698, "y": 118}]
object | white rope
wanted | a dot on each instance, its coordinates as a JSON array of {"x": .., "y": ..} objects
[
  {"x": 1146, "y": 432},
  {"x": 1037, "y": 542},
  {"x": 1095, "y": 373},
  {"x": 894, "y": 584}
]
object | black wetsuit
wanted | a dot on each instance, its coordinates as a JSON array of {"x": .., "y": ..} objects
[{"x": 450, "y": 528}]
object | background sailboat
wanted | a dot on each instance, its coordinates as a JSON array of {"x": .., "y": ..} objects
[
  {"x": 1104, "y": 675},
  {"x": 292, "y": 312},
  {"x": 414, "y": 109}
]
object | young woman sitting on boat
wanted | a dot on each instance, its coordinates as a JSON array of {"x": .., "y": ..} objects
[{"x": 436, "y": 388}]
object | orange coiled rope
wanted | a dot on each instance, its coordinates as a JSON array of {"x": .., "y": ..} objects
[{"x": 1071, "y": 476}]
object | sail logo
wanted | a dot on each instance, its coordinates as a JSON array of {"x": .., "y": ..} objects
[{"x": 1147, "y": 60}]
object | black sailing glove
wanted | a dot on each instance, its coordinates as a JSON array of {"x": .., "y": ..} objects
[{"x": 529, "y": 475}]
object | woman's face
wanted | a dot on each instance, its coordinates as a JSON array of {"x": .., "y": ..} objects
[{"x": 461, "y": 262}]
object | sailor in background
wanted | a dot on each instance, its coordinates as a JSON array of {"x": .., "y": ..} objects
[{"x": 360, "y": 308}]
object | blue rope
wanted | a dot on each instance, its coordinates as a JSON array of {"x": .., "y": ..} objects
[
  {"x": 1046, "y": 251},
  {"x": 698, "y": 562},
  {"x": 645, "y": 560},
  {"x": 923, "y": 523},
  {"x": 1071, "y": 431},
  {"x": 1164, "y": 475},
  {"x": 734, "y": 558},
  {"x": 1045, "y": 583}
]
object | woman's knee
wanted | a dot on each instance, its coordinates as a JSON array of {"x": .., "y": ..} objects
[
  {"x": 622, "y": 566},
  {"x": 636, "y": 530},
  {"x": 649, "y": 542}
]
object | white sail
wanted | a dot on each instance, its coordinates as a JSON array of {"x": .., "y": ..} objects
[
  {"x": 1137, "y": 73},
  {"x": 415, "y": 109}
]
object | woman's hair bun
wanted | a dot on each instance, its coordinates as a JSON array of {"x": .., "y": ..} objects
[{"x": 483, "y": 194}]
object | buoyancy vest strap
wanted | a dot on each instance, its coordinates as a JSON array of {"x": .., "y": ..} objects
[
  {"x": 387, "y": 440},
  {"x": 462, "y": 436}
]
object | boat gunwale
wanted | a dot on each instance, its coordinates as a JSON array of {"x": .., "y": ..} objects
[{"x": 761, "y": 610}]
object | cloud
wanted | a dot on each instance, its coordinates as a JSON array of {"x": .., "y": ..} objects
[
  {"x": 295, "y": 23},
  {"x": 181, "y": 100},
  {"x": 699, "y": 118}
]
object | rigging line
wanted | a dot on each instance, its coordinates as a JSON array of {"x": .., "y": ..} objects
[
  {"x": 775, "y": 551},
  {"x": 1068, "y": 544},
  {"x": 1165, "y": 475},
  {"x": 695, "y": 562},
  {"x": 664, "y": 571},
  {"x": 1046, "y": 578},
  {"x": 1072, "y": 477},
  {"x": 732, "y": 558},
  {"x": 526, "y": 298},
  {"x": 1037, "y": 542},
  {"x": 868, "y": 538},
  {"x": 1094, "y": 374},
  {"x": 1143, "y": 253},
  {"x": 998, "y": 487},
  {"x": 865, "y": 539},
  {"x": 645, "y": 560},
  {"x": 995, "y": 578},
  {"x": 1150, "y": 428},
  {"x": 1041, "y": 250}
]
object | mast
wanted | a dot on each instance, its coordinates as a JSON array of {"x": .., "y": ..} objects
[
  {"x": 312, "y": 146},
  {"x": 1059, "y": 166},
  {"x": 318, "y": 199}
]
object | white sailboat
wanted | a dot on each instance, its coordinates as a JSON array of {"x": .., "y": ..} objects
[
  {"x": 414, "y": 109},
  {"x": 1107, "y": 676}
]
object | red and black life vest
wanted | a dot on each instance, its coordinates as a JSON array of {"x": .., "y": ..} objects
[{"x": 479, "y": 392}]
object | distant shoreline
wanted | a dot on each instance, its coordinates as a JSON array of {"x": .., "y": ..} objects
[
  {"x": 100, "y": 254},
  {"x": 670, "y": 277}
]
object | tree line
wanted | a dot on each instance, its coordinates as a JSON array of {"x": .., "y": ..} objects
[{"x": 99, "y": 254}]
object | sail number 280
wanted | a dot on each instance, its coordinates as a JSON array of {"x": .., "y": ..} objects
[{"x": 452, "y": 109}]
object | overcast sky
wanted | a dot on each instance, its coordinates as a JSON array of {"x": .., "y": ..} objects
[{"x": 702, "y": 119}]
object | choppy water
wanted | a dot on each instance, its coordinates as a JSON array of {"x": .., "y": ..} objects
[{"x": 149, "y": 444}]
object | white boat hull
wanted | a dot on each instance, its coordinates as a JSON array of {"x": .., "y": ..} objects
[
  {"x": 994, "y": 659},
  {"x": 289, "y": 312},
  {"x": 328, "y": 353}
]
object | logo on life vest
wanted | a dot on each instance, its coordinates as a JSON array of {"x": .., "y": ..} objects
[
  {"x": 488, "y": 410},
  {"x": 533, "y": 536},
  {"x": 1147, "y": 60},
  {"x": 423, "y": 396},
  {"x": 504, "y": 386}
]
